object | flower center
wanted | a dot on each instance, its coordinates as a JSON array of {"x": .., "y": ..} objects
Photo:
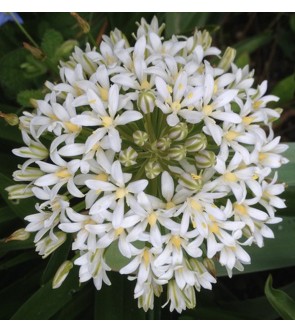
[
  {"x": 176, "y": 241},
  {"x": 241, "y": 209},
  {"x": 102, "y": 177},
  {"x": 63, "y": 174},
  {"x": 170, "y": 205},
  {"x": 119, "y": 231},
  {"x": 104, "y": 93},
  {"x": 107, "y": 121},
  {"x": 175, "y": 106},
  {"x": 72, "y": 127},
  {"x": 121, "y": 193},
  {"x": 231, "y": 177},
  {"x": 152, "y": 219},
  {"x": 207, "y": 110}
]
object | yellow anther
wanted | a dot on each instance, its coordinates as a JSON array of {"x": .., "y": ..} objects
[
  {"x": 72, "y": 127},
  {"x": 176, "y": 106},
  {"x": 256, "y": 105},
  {"x": 241, "y": 209},
  {"x": 89, "y": 222},
  {"x": 169, "y": 88},
  {"x": 247, "y": 120},
  {"x": 152, "y": 219},
  {"x": 121, "y": 193},
  {"x": 146, "y": 257},
  {"x": 176, "y": 241},
  {"x": 107, "y": 121},
  {"x": 170, "y": 205},
  {"x": 231, "y": 177},
  {"x": 145, "y": 85},
  {"x": 196, "y": 176},
  {"x": 63, "y": 174},
  {"x": 207, "y": 109},
  {"x": 214, "y": 228},
  {"x": 255, "y": 176},
  {"x": 231, "y": 135},
  {"x": 262, "y": 156},
  {"x": 196, "y": 205},
  {"x": 96, "y": 147},
  {"x": 104, "y": 93},
  {"x": 119, "y": 231},
  {"x": 102, "y": 177}
]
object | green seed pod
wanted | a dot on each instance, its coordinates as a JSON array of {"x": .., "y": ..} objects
[
  {"x": 205, "y": 159},
  {"x": 140, "y": 137},
  {"x": 152, "y": 169},
  {"x": 179, "y": 132},
  {"x": 61, "y": 274},
  {"x": 164, "y": 143},
  {"x": 196, "y": 143},
  {"x": 146, "y": 101},
  {"x": 177, "y": 152},
  {"x": 128, "y": 157}
]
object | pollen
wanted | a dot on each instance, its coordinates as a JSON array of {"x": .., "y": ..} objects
[
  {"x": 121, "y": 193},
  {"x": 146, "y": 257},
  {"x": 207, "y": 109},
  {"x": 241, "y": 209},
  {"x": 176, "y": 106},
  {"x": 152, "y": 219},
  {"x": 107, "y": 121},
  {"x": 170, "y": 205},
  {"x": 169, "y": 88},
  {"x": 102, "y": 177},
  {"x": 104, "y": 93},
  {"x": 256, "y": 105},
  {"x": 247, "y": 120},
  {"x": 196, "y": 205},
  {"x": 145, "y": 85},
  {"x": 214, "y": 228},
  {"x": 196, "y": 177},
  {"x": 231, "y": 177},
  {"x": 63, "y": 174},
  {"x": 176, "y": 241},
  {"x": 231, "y": 135},
  {"x": 119, "y": 231},
  {"x": 262, "y": 156},
  {"x": 72, "y": 127}
]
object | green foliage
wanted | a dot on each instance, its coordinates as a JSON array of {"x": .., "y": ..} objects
[
  {"x": 51, "y": 40},
  {"x": 25, "y": 96}
]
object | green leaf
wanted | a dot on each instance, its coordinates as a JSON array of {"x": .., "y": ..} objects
[
  {"x": 292, "y": 22},
  {"x": 253, "y": 43},
  {"x": 114, "y": 258},
  {"x": 46, "y": 302},
  {"x": 287, "y": 171},
  {"x": 6, "y": 247},
  {"x": 17, "y": 260},
  {"x": 51, "y": 41},
  {"x": 6, "y": 214},
  {"x": 8, "y": 133},
  {"x": 279, "y": 300},
  {"x": 24, "y": 97},
  {"x": 242, "y": 60},
  {"x": 285, "y": 89}
]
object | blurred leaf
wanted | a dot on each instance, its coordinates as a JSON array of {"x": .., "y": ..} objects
[
  {"x": 46, "y": 302},
  {"x": 287, "y": 171},
  {"x": 6, "y": 247},
  {"x": 253, "y": 43},
  {"x": 8, "y": 133},
  {"x": 17, "y": 260},
  {"x": 56, "y": 259},
  {"x": 285, "y": 89},
  {"x": 52, "y": 39},
  {"x": 292, "y": 22},
  {"x": 6, "y": 214},
  {"x": 114, "y": 258},
  {"x": 242, "y": 60},
  {"x": 24, "y": 97},
  {"x": 279, "y": 300}
]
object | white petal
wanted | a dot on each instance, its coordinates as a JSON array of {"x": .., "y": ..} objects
[
  {"x": 225, "y": 98},
  {"x": 117, "y": 173},
  {"x": 172, "y": 119},
  {"x": 118, "y": 214},
  {"x": 113, "y": 100},
  {"x": 115, "y": 140},
  {"x": 100, "y": 185},
  {"x": 162, "y": 88},
  {"x": 137, "y": 186},
  {"x": 128, "y": 116},
  {"x": 167, "y": 185}
]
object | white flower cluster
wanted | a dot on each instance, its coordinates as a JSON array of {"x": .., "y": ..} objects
[{"x": 155, "y": 150}]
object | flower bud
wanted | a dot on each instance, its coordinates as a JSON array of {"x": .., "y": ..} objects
[
  {"x": 50, "y": 243},
  {"x": 19, "y": 191},
  {"x": 19, "y": 235},
  {"x": 128, "y": 157},
  {"x": 227, "y": 58},
  {"x": 36, "y": 52},
  {"x": 146, "y": 102},
  {"x": 84, "y": 25},
  {"x": 117, "y": 35},
  {"x": 35, "y": 150},
  {"x": 61, "y": 274},
  {"x": 140, "y": 137},
  {"x": 196, "y": 143},
  {"x": 10, "y": 118},
  {"x": 210, "y": 266},
  {"x": 152, "y": 169},
  {"x": 164, "y": 143},
  {"x": 179, "y": 132},
  {"x": 27, "y": 174},
  {"x": 177, "y": 152},
  {"x": 205, "y": 159},
  {"x": 66, "y": 48}
]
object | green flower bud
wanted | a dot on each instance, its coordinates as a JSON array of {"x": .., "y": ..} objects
[
  {"x": 205, "y": 159},
  {"x": 227, "y": 58},
  {"x": 19, "y": 235},
  {"x": 19, "y": 191},
  {"x": 61, "y": 274},
  {"x": 196, "y": 143},
  {"x": 146, "y": 102},
  {"x": 27, "y": 174},
  {"x": 10, "y": 118},
  {"x": 152, "y": 169},
  {"x": 177, "y": 152},
  {"x": 66, "y": 48},
  {"x": 47, "y": 245},
  {"x": 210, "y": 266},
  {"x": 179, "y": 132},
  {"x": 128, "y": 157},
  {"x": 164, "y": 143},
  {"x": 140, "y": 137},
  {"x": 191, "y": 181}
]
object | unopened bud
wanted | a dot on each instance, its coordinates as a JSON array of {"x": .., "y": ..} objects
[
  {"x": 85, "y": 27},
  {"x": 10, "y": 118},
  {"x": 205, "y": 159},
  {"x": 210, "y": 266},
  {"x": 164, "y": 143},
  {"x": 117, "y": 35},
  {"x": 227, "y": 58},
  {"x": 19, "y": 235},
  {"x": 177, "y": 152},
  {"x": 140, "y": 137},
  {"x": 66, "y": 48},
  {"x": 146, "y": 102},
  {"x": 27, "y": 174},
  {"x": 36, "y": 52},
  {"x": 152, "y": 169},
  {"x": 19, "y": 191},
  {"x": 50, "y": 243},
  {"x": 179, "y": 132},
  {"x": 196, "y": 143},
  {"x": 128, "y": 157},
  {"x": 61, "y": 274}
]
